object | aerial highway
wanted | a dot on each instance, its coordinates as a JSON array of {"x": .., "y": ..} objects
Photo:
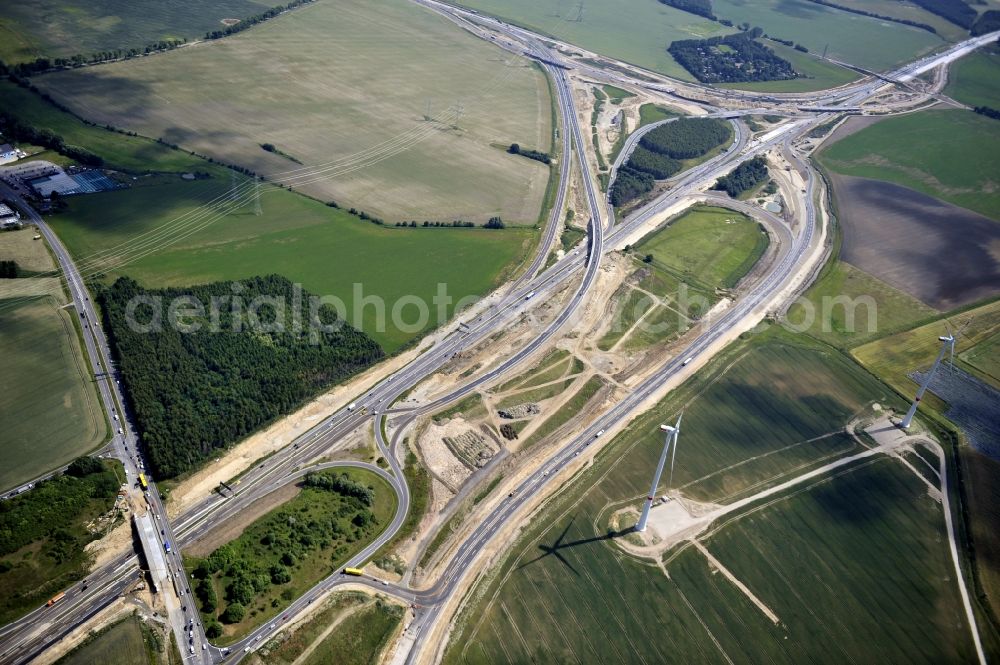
[{"x": 22, "y": 640}]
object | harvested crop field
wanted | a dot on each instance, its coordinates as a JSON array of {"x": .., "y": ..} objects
[
  {"x": 388, "y": 107},
  {"x": 940, "y": 254}
]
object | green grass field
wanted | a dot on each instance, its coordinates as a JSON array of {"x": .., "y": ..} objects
[
  {"x": 344, "y": 87},
  {"x": 856, "y": 39},
  {"x": 292, "y": 644},
  {"x": 567, "y": 411},
  {"x": 811, "y": 556},
  {"x": 893, "y": 357},
  {"x": 326, "y": 250},
  {"x": 650, "y": 113},
  {"x": 952, "y": 155},
  {"x": 636, "y": 31},
  {"x": 817, "y": 74},
  {"x": 985, "y": 357},
  {"x": 311, "y": 561},
  {"x": 975, "y": 79},
  {"x": 710, "y": 247},
  {"x": 819, "y": 314},
  {"x": 361, "y": 638},
  {"x": 122, "y": 644},
  {"x": 552, "y": 366},
  {"x": 629, "y": 308},
  {"x": 905, "y": 9},
  {"x": 50, "y": 413},
  {"x": 129, "y": 153},
  {"x": 54, "y": 28}
]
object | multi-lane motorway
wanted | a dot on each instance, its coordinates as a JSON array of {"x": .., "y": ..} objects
[{"x": 22, "y": 640}]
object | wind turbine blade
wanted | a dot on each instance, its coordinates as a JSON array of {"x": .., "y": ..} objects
[{"x": 673, "y": 454}]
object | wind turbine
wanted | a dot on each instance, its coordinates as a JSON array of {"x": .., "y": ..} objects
[
  {"x": 947, "y": 343},
  {"x": 672, "y": 431}
]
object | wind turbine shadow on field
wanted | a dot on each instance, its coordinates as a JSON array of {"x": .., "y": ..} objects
[{"x": 554, "y": 548}]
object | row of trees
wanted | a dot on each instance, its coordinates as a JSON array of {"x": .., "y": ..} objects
[
  {"x": 341, "y": 484},
  {"x": 744, "y": 177},
  {"x": 254, "y": 20},
  {"x": 492, "y": 223},
  {"x": 195, "y": 392},
  {"x": 14, "y": 129},
  {"x": 39, "y": 65},
  {"x": 537, "y": 155},
  {"x": 881, "y": 17},
  {"x": 988, "y": 21},
  {"x": 955, "y": 11},
  {"x": 731, "y": 59},
  {"x": 8, "y": 269},
  {"x": 989, "y": 112},
  {"x": 698, "y": 7}
]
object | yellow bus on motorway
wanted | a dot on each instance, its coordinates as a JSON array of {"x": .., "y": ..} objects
[
  {"x": 354, "y": 571},
  {"x": 142, "y": 481}
]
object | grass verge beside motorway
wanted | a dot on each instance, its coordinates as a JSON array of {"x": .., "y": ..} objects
[
  {"x": 975, "y": 79},
  {"x": 707, "y": 246},
  {"x": 127, "y": 642}
]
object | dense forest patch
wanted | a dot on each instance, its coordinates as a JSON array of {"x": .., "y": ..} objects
[
  {"x": 661, "y": 152},
  {"x": 744, "y": 177},
  {"x": 731, "y": 59},
  {"x": 207, "y": 365}
]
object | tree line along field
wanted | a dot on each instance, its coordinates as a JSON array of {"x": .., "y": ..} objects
[
  {"x": 952, "y": 155},
  {"x": 345, "y": 87},
  {"x": 51, "y": 28},
  {"x": 816, "y": 564},
  {"x": 326, "y": 250},
  {"x": 245, "y": 582},
  {"x": 134, "y": 154},
  {"x": 51, "y": 412}
]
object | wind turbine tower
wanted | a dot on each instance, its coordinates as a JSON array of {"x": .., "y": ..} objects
[
  {"x": 947, "y": 342},
  {"x": 671, "y": 431}
]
